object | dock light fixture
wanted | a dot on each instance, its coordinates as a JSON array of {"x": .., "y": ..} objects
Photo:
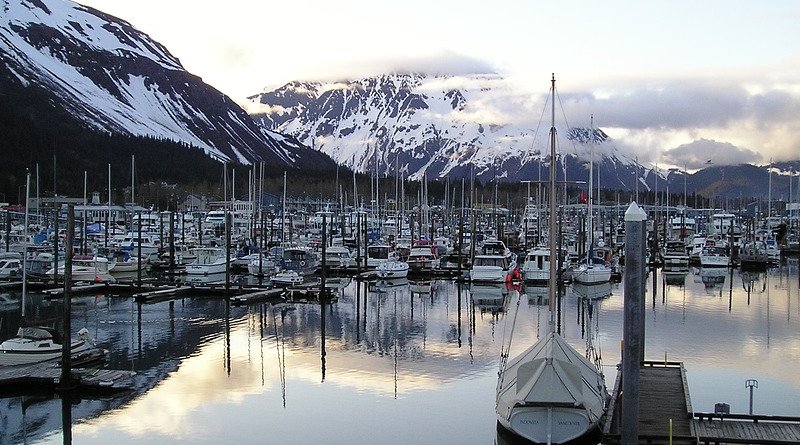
[{"x": 751, "y": 383}]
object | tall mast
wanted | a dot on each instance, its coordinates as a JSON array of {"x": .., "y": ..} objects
[
  {"x": 551, "y": 291},
  {"x": 591, "y": 182}
]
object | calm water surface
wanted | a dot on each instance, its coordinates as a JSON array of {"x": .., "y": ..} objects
[{"x": 397, "y": 363}]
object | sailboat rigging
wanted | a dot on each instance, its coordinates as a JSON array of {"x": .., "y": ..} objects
[{"x": 550, "y": 393}]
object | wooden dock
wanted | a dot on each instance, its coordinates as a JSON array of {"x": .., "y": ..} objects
[
  {"x": 712, "y": 428},
  {"x": 257, "y": 297},
  {"x": 47, "y": 375},
  {"x": 162, "y": 294},
  {"x": 664, "y": 396}
]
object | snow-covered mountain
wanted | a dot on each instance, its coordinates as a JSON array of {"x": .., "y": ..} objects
[
  {"x": 113, "y": 78},
  {"x": 434, "y": 126}
]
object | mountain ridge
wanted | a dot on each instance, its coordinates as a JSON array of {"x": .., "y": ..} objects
[{"x": 113, "y": 78}]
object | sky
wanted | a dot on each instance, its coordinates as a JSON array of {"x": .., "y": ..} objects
[{"x": 682, "y": 81}]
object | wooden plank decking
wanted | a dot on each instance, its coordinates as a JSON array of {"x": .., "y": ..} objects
[
  {"x": 48, "y": 375},
  {"x": 663, "y": 395},
  {"x": 742, "y": 428}
]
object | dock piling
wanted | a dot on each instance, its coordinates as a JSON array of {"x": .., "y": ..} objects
[{"x": 632, "y": 330}]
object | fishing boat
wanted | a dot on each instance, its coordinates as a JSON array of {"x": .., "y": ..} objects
[
  {"x": 300, "y": 259},
  {"x": 38, "y": 344},
  {"x": 550, "y": 393}
]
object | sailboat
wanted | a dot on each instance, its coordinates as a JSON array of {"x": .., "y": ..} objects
[
  {"x": 592, "y": 270},
  {"x": 550, "y": 393}
]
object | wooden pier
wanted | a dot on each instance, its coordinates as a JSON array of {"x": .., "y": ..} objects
[{"x": 664, "y": 396}]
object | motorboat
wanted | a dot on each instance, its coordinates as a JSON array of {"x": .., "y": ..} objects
[
  {"x": 714, "y": 254},
  {"x": 494, "y": 264},
  {"x": 675, "y": 254},
  {"x": 536, "y": 268},
  {"x": 125, "y": 262},
  {"x": 338, "y": 256},
  {"x": 86, "y": 268},
  {"x": 753, "y": 255},
  {"x": 10, "y": 265},
  {"x": 391, "y": 269},
  {"x": 287, "y": 278},
  {"x": 262, "y": 266},
  {"x": 423, "y": 256},
  {"x": 39, "y": 344},
  {"x": 210, "y": 260}
]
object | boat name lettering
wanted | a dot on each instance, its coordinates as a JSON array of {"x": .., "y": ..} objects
[
  {"x": 569, "y": 423},
  {"x": 529, "y": 422}
]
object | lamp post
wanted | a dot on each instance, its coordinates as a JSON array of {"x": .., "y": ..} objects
[{"x": 750, "y": 384}]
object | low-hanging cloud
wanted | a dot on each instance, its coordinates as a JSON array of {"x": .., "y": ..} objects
[{"x": 704, "y": 152}]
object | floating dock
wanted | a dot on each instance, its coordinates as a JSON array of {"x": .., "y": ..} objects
[
  {"x": 664, "y": 396},
  {"x": 47, "y": 375}
]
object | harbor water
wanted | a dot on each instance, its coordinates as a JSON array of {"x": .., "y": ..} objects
[{"x": 397, "y": 362}]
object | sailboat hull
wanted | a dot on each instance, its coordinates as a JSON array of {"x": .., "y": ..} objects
[{"x": 593, "y": 434}]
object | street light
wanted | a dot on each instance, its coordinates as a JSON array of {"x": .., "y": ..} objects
[{"x": 751, "y": 383}]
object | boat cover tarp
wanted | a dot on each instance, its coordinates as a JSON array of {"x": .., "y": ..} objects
[{"x": 551, "y": 372}]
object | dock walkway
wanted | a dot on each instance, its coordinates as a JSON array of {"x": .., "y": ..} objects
[
  {"x": 48, "y": 375},
  {"x": 664, "y": 396},
  {"x": 715, "y": 428}
]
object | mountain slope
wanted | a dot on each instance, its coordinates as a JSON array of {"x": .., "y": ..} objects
[
  {"x": 112, "y": 78},
  {"x": 429, "y": 126}
]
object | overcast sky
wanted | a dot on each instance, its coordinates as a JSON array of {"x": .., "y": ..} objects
[{"x": 661, "y": 76}]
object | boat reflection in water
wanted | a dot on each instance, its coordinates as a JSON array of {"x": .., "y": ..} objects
[
  {"x": 277, "y": 366},
  {"x": 592, "y": 291},
  {"x": 389, "y": 285},
  {"x": 489, "y": 297},
  {"x": 675, "y": 276},
  {"x": 537, "y": 295},
  {"x": 420, "y": 287},
  {"x": 713, "y": 278}
]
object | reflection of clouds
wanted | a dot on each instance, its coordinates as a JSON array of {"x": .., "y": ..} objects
[{"x": 423, "y": 358}]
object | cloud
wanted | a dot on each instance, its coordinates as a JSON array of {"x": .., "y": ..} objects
[{"x": 696, "y": 154}]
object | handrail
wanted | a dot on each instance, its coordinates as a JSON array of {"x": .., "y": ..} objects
[{"x": 753, "y": 417}]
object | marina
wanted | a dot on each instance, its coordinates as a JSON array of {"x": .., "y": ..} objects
[{"x": 401, "y": 347}]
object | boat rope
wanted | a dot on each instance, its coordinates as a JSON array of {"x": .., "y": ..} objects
[{"x": 504, "y": 355}]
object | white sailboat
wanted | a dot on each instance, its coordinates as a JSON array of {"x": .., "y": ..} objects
[
  {"x": 550, "y": 393},
  {"x": 592, "y": 270}
]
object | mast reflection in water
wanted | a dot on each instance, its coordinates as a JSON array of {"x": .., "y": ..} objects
[{"x": 405, "y": 362}]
